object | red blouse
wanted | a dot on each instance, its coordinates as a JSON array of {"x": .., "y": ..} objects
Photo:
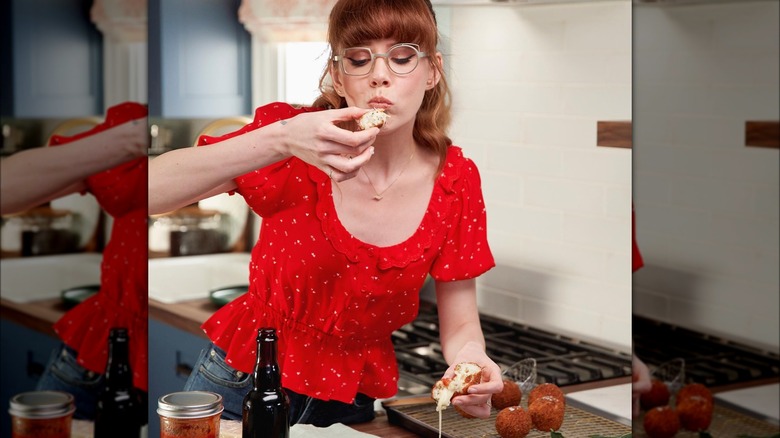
[
  {"x": 123, "y": 299},
  {"x": 334, "y": 299}
]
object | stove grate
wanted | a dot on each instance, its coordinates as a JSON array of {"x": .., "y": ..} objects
[{"x": 560, "y": 360}]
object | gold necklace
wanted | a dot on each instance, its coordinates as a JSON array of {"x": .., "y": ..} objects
[{"x": 378, "y": 195}]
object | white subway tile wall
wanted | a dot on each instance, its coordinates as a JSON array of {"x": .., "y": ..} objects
[
  {"x": 529, "y": 85},
  {"x": 706, "y": 205}
]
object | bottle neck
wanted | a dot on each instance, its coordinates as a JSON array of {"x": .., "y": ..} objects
[
  {"x": 267, "y": 375},
  {"x": 118, "y": 368}
]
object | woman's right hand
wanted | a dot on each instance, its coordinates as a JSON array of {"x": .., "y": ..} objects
[{"x": 314, "y": 138}]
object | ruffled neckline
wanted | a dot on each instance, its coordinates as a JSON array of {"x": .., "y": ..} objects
[{"x": 401, "y": 254}]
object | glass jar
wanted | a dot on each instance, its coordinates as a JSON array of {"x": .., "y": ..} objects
[
  {"x": 41, "y": 414},
  {"x": 190, "y": 414}
]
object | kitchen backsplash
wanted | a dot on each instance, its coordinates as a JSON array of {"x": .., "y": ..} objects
[
  {"x": 707, "y": 205},
  {"x": 529, "y": 87}
]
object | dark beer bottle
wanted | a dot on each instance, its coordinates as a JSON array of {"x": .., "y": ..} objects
[
  {"x": 266, "y": 411},
  {"x": 118, "y": 412}
]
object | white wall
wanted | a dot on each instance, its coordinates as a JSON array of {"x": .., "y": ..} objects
[
  {"x": 529, "y": 84},
  {"x": 706, "y": 205}
]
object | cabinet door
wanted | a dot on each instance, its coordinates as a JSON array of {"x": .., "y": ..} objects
[
  {"x": 25, "y": 354},
  {"x": 172, "y": 354},
  {"x": 56, "y": 60},
  {"x": 202, "y": 63}
]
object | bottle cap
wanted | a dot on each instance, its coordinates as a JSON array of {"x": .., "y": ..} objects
[
  {"x": 42, "y": 404},
  {"x": 189, "y": 404},
  {"x": 266, "y": 334},
  {"x": 119, "y": 334}
]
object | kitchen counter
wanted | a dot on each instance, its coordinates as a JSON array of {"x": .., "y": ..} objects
[
  {"x": 185, "y": 315},
  {"x": 38, "y": 315},
  {"x": 188, "y": 316}
]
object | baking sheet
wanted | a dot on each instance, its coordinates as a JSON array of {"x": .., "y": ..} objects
[
  {"x": 423, "y": 419},
  {"x": 726, "y": 423}
]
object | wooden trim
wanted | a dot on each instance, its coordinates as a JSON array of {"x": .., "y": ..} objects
[
  {"x": 616, "y": 134},
  {"x": 762, "y": 134}
]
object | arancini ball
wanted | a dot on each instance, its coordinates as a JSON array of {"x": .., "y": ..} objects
[
  {"x": 547, "y": 413},
  {"x": 509, "y": 396},
  {"x": 658, "y": 395},
  {"x": 546, "y": 389},
  {"x": 661, "y": 422},
  {"x": 695, "y": 413},
  {"x": 513, "y": 422},
  {"x": 693, "y": 389}
]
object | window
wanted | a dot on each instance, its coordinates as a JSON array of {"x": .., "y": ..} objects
[{"x": 300, "y": 66}]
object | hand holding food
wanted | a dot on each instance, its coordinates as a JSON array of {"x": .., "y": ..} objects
[{"x": 466, "y": 374}]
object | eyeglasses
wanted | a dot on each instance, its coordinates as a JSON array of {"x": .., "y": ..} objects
[{"x": 402, "y": 59}]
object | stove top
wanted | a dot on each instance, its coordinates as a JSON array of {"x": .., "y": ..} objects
[
  {"x": 559, "y": 359},
  {"x": 709, "y": 360}
]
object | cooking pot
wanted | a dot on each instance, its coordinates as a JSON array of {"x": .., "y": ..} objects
[
  {"x": 188, "y": 231},
  {"x": 40, "y": 231}
]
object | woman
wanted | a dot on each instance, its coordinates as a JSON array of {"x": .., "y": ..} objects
[
  {"x": 353, "y": 223},
  {"x": 109, "y": 161}
]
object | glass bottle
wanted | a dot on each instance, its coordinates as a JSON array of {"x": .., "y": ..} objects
[
  {"x": 118, "y": 412},
  {"x": 266, "y": 410}
]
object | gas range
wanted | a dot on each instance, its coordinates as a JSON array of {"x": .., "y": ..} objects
[
  {"x": 559, "y": 359},
  {"x": 709, "y": 360}
]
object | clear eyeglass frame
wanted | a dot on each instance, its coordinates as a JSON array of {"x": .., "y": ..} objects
[{"x": 418, "y": 54}]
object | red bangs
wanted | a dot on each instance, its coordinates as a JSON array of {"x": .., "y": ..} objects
[{"x": 355, "y": 22}]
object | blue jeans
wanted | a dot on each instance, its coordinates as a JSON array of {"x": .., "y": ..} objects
[
  {"x": 211, "y": 373},
  {"x": 62, "y": 373}
]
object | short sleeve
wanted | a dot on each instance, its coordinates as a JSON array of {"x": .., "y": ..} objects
[
  {"x": 261, "y": 188},
  {"x": 465, "y": 253}
]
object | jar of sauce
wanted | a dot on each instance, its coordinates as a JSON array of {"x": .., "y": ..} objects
[
  {"x": 41, "y": 414},
  {"x": 189, "y": 414}
]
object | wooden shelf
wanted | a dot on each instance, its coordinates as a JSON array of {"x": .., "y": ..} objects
[
  {"x": 762, "y": 134},
  {"x": 615, "y": 134}
]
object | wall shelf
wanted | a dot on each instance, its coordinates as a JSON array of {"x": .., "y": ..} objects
[
  {"x": 616, "y": 134},
  {"x": 762, "y": 134}
]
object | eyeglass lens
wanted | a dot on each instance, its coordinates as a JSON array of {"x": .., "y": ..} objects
[{"x": 401, "y": 60}]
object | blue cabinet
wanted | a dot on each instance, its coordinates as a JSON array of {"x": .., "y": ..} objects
[
  {"x": 199, "y": 59},
  {"x": 55, "y": 56},
  {"x": 172, "y": 354},
  {"x": 25, "y": 354}
]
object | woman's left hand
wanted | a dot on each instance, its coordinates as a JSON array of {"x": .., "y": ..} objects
[{"x": 477, "y": 401}]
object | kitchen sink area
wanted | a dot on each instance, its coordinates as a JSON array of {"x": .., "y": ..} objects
[
  {"x": 176, "y": 279},
  {"x": 27, "y": 279}
]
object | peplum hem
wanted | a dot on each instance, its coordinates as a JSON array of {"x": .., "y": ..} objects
[
  {"x": 85, "y": 328},
  {"x": 406, "y": 252},
  {"x": 315, "y": 363}
]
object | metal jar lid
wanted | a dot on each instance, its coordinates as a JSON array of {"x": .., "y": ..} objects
[
  {"x": 189, "y": 404},
  {"x": 42, "y": 404}
]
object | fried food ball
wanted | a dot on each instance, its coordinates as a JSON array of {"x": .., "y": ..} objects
[
  {"x": 546, "y": 389},
  {"x": 658, "y": 395},
  {"x": 693, "y": 389},
  {"x": 463, "y": 413},
  {"x": 547, "y": 413},
  {"x": 661, "y": 422},
  {"x": 513, "y": 422},
  {"x": 509, "y": 396},
  {"x": 695, "y": 413}
]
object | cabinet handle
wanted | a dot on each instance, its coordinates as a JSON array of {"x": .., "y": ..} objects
[{"x": 182, "y": 369}]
